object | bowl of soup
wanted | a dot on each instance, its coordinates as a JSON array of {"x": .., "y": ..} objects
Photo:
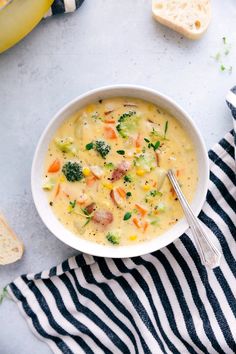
[{"x": 99, "y": 174}]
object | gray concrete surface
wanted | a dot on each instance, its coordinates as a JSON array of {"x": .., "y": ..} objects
[{"x": 105, "y": 42}]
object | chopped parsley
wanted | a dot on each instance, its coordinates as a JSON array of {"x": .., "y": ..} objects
[
  {"x": 87, "y": 216},
  {"x": 166, "y": 128},
  {"x": 222, "y": 67},
  {"x": 108, "y": 165},
  {"x": 73, "y": 204},
  {"x": 127, "y": 216},
  {"x": 3, "y": 295},
  {"x": 221, "y": 54},
  {"x": 89, "y": 146},
  {"x": 155, "y": 146},
  {"x": 128, "y": 194},
  {"x": 120, "y": 152},
  {"x": 154, "y": 193},
  {"x": 127, "y": 178}
]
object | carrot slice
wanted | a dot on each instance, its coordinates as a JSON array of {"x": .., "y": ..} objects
[
  {"x": 136, "y": 223},
  {"x": 110, "y": 133},
  {"x": 58, "y": 190},
  {"x": 138, "y": 141},
  {"x": 90, "y": 181},
  {"x": 145, "y": 226},
  {"x": 109, "y": 120},
  {"x": 108, "y": 112},
  {"x": 157, "y": 155},
  {"x": 121, "y": 192},
  {"x": 55, "y": 166},
  {"x": 172, "y": 191},
  {"x": 142, "y": 211}
]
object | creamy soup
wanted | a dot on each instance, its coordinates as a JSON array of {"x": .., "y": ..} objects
[{"x": 105, "y": 171}]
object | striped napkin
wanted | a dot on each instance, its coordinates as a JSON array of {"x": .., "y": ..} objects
[
  {"x": 63, "y": 6},
  {"x": 164, "y": 302}
]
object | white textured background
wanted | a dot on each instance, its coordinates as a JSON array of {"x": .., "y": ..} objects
[{"x": 105, "y": 42}]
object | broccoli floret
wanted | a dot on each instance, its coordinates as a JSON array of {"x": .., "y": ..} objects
[
  {"x": 72, "y": 171},
  {"x": 128, "y": 123},
  {"x": 161, "y": 207},
  {"x": 113, "y": 238},
  {"x": 102, "y": 148},
  {"x": 66, "y": 144},
  {"x": 145, "y": 162}
]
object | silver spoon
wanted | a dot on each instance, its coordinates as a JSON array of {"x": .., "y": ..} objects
[{"x": 210, "y": 256}]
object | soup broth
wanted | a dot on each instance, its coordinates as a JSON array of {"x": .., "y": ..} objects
[{"x": 105, "y": 171}]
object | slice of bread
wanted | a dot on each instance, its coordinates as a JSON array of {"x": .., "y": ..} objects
[
  {"x": 188, "y": 17},
  {"x": 11, "y": 248}
]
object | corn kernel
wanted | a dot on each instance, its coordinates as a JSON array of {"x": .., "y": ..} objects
[
  {"x": 90, "y": 108},
  {"x": 70, "y": 208},
  {"x": 108, "y": 185},
  {"x": 86, "y": 171},
  {"x": 133, "y": 237},
  {"x": 140, "y": 172},
  {"x": 146, "y": 187},
  {"x": 138, "y": 150},
  {"x": 62, "y": 179}
]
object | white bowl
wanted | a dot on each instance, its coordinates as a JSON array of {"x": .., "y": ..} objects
[{"x": 40, "y": 197}]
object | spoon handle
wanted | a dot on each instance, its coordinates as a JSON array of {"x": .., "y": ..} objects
[{"x": 209, "y": 254}]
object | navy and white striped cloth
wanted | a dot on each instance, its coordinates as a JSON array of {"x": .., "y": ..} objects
[
  {"x": 164, "y": 302},
  {"x": 63, "y": 6}
]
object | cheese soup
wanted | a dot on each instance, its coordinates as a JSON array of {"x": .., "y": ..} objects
[{"x": 105, "y": 171}]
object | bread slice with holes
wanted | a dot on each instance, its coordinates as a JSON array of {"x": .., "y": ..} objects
[
  {"x": 11, "y": 247},
  {"x": 190, "y": 18}
]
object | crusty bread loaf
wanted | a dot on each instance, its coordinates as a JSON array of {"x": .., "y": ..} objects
[
  {"x": 11, "y": 248},
  {"x": 188, "y": 17}
]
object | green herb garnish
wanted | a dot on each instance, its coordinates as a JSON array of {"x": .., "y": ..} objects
[
  {"x": 154, "y": 222},
  {"x": 109, "y": 165},
  {"x": 227, "y": 51},
  {"x": 147, "y": 141},
  {"x": 222, "y": 67},
  {"x": 87, "y": 216},
  {"x": 224, "y": 40},
  {"x": 154, "y": 146},
  {"x": 127, "y": 216},
  {"x": 127, "y": 178},
  {"x": 120, "y": 152},
  {"x": 217, "y": 56},
  {"x": 3, "y": 295},
  {"x": 73, "y": 204},
  {"x": 166, "y": 128},
  {"x": 128, "y": 194},
  {"x": 153, "y": 193},
  {"x": 89, "y": 146}
]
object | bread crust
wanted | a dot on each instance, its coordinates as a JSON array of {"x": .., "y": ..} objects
[
  {"x": 14, "y": 246},
  {"x": 183, "y": 29}
]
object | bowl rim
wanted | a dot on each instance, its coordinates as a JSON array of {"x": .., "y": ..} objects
[{"x": 137, "y": 249}]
